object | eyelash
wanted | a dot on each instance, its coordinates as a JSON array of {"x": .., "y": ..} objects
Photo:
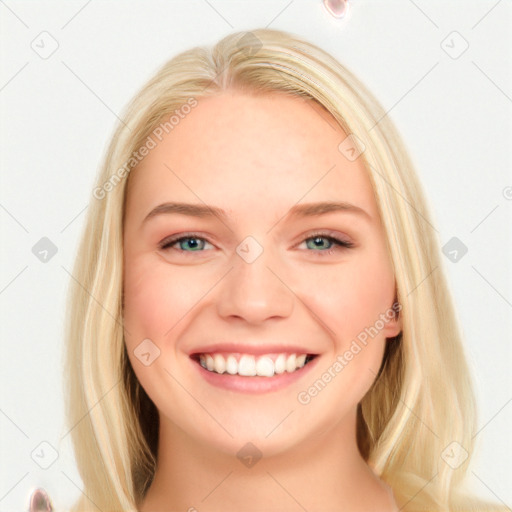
[{"x": 339, "y": 244}]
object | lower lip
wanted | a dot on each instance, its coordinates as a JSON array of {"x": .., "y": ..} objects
[{"x": 254, "y": 384}]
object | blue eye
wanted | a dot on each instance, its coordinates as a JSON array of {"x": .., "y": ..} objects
[
  {"x": 334, "y": 243},
  {"x": 193, "y": 243}
]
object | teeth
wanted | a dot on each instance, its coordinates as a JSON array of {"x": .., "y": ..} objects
[
  {"x": 280, "y": 364},
  {"x": 301, "y": 360},
  {"x": 290, "y": 363},
  {"x": 265, "y": 367},
  {"x": 231, "y": 365},
  {"x": 249, "y": 365},
  {"x": 220, "y": 363}
]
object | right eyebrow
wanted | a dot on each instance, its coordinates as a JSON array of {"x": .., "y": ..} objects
[{"x": 192, "y": 210}]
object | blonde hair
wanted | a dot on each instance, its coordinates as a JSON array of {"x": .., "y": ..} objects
[{"x": 421, "y": 401}]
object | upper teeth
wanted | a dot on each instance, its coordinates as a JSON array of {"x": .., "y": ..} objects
[{"x": 249, "y": 365}]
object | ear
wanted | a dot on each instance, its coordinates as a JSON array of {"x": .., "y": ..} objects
[{"x": 393, "y": 324}]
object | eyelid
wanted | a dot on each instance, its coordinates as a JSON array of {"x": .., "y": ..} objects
[
  {"x": 329, "y": 235},
  {"x": 338, "y": 242},
  {"x": 171, "y": 240},
  {"x": 333, "y": 235}
]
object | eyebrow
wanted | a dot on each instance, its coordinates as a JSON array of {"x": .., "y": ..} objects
[{"x": 299, "y": 210}]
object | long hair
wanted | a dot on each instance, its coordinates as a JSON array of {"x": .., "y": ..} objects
[{"x": 419, "y": 415}]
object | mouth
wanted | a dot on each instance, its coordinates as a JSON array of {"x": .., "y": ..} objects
[{"x": 249, "y": 365}]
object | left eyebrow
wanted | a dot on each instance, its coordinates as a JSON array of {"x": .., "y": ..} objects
[
  {"x": 313, "y": 209},
  {"x": 299, "y": 210}
]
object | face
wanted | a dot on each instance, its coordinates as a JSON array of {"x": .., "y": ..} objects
[{"x": 249, "y": 270}]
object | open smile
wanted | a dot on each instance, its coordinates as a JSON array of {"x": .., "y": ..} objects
[{"x": 250, "y": 373}]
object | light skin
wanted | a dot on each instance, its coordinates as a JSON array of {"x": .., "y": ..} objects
[{"x": 257, "y": 157}]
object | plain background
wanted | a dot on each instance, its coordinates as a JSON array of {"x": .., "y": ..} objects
[{"x": 452, "y": 105}]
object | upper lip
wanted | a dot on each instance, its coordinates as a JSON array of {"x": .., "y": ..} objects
[{"x": 254, "y": 349}]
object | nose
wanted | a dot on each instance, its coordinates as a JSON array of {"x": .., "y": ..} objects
[{"x": 255, "y": 291}]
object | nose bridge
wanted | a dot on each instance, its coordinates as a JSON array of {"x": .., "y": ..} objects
[{"x": 251, "y": 290}]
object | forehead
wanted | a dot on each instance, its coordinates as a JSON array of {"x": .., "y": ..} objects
[{"x": 237, "y": 150}]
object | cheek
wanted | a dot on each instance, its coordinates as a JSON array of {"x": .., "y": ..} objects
[
  {"x": 156, "y": 303},
  {"x": 352, "y": 299},
  {"x": 155, "y": 299},
  {"x": 355, "y": 294}
]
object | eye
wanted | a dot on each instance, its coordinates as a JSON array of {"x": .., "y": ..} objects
[
  {"x": 188, "y": 243},
  {"x": 323, "y": 243},
  {"x": 327, "y": 244}
]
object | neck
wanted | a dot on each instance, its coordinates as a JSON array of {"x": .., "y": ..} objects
[{"x": 326, "y": 472}]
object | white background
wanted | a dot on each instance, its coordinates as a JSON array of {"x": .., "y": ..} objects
[{"x": 58, "y": 113}]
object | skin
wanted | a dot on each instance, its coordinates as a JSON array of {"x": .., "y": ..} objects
[{"x": 256, "y": 157}]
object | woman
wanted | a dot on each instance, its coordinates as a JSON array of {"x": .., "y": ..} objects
[{"x": 259, "y": 319}]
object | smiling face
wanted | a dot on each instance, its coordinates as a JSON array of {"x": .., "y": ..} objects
[{"x": 261, "y": 277}]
